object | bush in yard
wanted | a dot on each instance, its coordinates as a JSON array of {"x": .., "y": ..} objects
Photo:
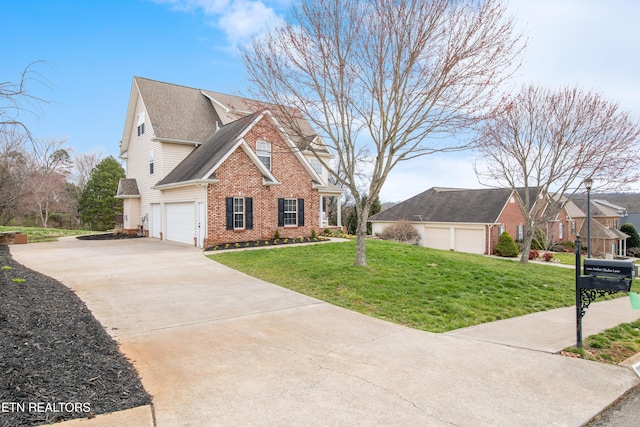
[
  {"x": 401, "y": 231},
  {"x": 547, "y": 256},
  {"x": 634, "y": 239},
  {"x": 506, "y": 246},
  {"x": 533, "y": 254}
]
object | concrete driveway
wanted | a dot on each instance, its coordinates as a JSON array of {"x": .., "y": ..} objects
[{"x": 216, "y": 347}]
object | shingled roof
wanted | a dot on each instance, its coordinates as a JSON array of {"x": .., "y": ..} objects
[
  {"x": 438, "y": 204},
  {"x": 177, "y": 112},
  {"x": 204, "y": 158}
]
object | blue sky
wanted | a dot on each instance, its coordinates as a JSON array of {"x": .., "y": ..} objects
[{"x": 95, "y": 47}]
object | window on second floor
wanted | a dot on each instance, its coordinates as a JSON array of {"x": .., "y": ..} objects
[
  {"x": 561, "y": 230},
  {"x": 140, "y": 123},
  {"x": 316, "y": 165},
  {"x": 151, "y": 161},
  {"x": 263, "y": 150},
  {"x": 615, "y": 224}
]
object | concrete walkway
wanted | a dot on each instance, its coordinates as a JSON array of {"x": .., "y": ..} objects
[{"x": 216, "y": 347}]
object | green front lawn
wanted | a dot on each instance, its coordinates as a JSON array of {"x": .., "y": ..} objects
[
  {"x": 422, "y": 288},
  {"x": 37, "y": 234}
]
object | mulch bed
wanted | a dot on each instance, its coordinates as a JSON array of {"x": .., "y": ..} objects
[
  {"x": 107, "y": 236},
  {"x": 265, "y": 243},
  {"x": 57, "y": 361}
]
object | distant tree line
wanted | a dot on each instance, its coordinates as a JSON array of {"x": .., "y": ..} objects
[{"x": 43, "y": 182}]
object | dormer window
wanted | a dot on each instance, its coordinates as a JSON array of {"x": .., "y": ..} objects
[
  {"x": 263, "y": 150},
  {"x": 140, "y": 123},
  {"x": 316, "y": 165}
]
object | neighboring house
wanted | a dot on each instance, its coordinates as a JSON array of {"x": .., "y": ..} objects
[
  {"x": 457, "y": 219},
  {"x": 204, "y": 168},
  {"x": 467, "y": 220},
  {"x": 606, "y": 238},
  {"x": 629, "y": 202}
]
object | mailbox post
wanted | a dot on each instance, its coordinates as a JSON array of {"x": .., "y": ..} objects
[{"x": 599, "y": 277}]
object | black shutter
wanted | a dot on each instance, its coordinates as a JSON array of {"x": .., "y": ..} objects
[
  {"x": 249, "y": 213},
  {"x": 229, "y": 213},
  {"x": 301, "y": 212},
  {"x": 280, "y": 212}
]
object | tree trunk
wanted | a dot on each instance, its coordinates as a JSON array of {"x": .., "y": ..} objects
[
  {"x": 528, "y": 238},
  {"x": 361, "y": 236}
]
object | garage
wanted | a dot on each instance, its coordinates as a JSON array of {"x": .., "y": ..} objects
[
  {"x": 470, "y": 240},
  {"x": 437, "y": 238},
  {"x": 181, "y": 222}
]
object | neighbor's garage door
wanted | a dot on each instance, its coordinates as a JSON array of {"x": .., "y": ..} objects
[
  {"x": 470, "y": 240},
  {"x": 181, "y": 222},
  {"x": 437, "y": 238}
]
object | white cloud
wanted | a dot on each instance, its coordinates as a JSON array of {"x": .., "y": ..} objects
[
  {"x": 588, "y": 43},
  {"x": 240, "y": 20},
  {"x": 437, "y": 170}
]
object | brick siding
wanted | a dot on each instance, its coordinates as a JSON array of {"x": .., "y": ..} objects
[{"x": 239, "y": 177}]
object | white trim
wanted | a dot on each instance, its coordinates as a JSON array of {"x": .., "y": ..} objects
[
  {"x": 176, "y": 141},
  {"x": 185, "y": 184}
]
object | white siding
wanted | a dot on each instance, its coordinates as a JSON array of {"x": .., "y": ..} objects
[
  {"x": 166, "y": 158},
  {"x": 172, "y": 154}
]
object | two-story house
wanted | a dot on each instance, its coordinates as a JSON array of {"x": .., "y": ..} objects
[{"x": 204, "y": 168}]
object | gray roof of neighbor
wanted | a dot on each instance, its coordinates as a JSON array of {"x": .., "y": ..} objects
[
  {"x": 201, "y": 160},
  {"x": 629, "y": 201},
  {"x": 451, "y": 205}
]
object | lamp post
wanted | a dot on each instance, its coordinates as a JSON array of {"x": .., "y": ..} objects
[{"x": 588, "y": 183}]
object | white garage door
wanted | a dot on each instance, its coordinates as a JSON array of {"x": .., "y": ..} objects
[
  {"x": 470, "y": 240},
  {"x": 181, "y": 222},
  {"x": 437, "y": 238},
  {"x": 154, "y": 222}
]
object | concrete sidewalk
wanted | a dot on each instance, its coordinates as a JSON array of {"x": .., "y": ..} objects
[{"x": 216, "y": 347}]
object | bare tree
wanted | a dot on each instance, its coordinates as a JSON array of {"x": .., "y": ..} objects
[
  {"x": 83, "y": 164},
  {"x": 548, "y": 141},
  {"x": 13, "y": 165},
  {"x": 383, "y": 81},
  {"x": 50, "y": 165},
  {"x": 16, "y": 100}
]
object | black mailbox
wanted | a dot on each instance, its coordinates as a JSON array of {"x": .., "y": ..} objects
[{"x": 615, "y": 269}]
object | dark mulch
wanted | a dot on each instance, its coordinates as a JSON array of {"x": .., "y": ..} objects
[
  {"x": 57, "y": 362},
  {"x": 107, "y": 236},
  {"x": 265, "y": 243}
]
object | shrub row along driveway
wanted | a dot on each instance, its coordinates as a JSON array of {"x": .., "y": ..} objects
[{"x": 214, "y": 346}]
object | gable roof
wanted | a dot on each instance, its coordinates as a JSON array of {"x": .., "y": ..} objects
[
  {"x": 176, "y": 112},
  {"x": 450, "y": 205},
  {"x": 600, "y": 208},
  {"x": 200, "y": 164},
  {"x": 629, "y": 201}
]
